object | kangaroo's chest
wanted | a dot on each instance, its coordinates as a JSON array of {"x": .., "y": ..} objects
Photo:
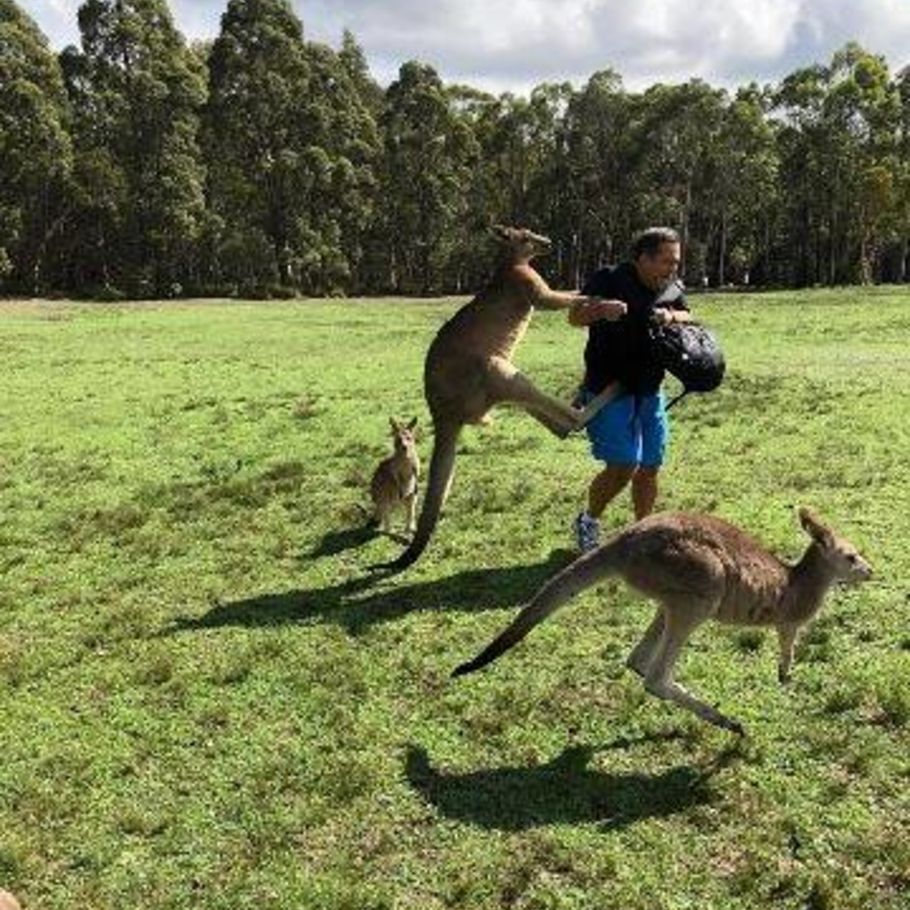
[
  {"x": 395, "y": 478},
  {"x": 491, "y": 325},
  {"x": 752, "y": 596}
]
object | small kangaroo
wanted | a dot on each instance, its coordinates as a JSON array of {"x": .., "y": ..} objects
[
  {"x": 394, "y": 481},
  {"x": 698, "y": 567},
  {"x": 468, "y": 368}
]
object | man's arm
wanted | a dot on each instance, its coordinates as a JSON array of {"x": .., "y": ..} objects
[
  {"x": 673, "y": 311},
  {"x": 666, "y": 315}
]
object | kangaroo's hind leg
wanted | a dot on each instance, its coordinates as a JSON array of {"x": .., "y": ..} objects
[
  {"x": 640, "y": 658},
  {"x": 681, "y": 618},
  {"x": 411, "y": 505},
  {"x": 585, "y": 415},
  {"x": 508, "y": 384}
]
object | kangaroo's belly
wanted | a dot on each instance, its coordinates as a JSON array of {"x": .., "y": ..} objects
[
  {"x": 456, "y": 390},
  {"x": 748, "y": 601},
  {"x": 460, "y": 360}
]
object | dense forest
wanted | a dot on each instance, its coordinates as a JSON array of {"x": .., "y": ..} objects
[{"x": 263, "y": 164}]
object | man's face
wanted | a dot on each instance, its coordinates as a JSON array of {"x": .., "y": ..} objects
[{"x": 657, "y": 270}]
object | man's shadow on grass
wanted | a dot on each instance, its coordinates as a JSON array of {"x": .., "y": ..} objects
[
  {"x": 563, "y": 791},
  {"x": 354, "y": 606}
]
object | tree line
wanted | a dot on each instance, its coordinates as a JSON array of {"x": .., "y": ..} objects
[{"x": 264, "y": 164}]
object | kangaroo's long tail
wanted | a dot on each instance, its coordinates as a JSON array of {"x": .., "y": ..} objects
[
  {"x": 442, "y": 468},
  {"x": 556, "y": 591}
]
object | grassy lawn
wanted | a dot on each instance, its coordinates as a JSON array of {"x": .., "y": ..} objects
[{"x": 206, "y": 701}]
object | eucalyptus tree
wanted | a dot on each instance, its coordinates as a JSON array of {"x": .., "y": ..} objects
[
  {"x": 902, "y": 168},
  {"x": 676, "y": 128},
  {"x": 863, "y": 107},
  {"x": 486, "y": 187},
  {"x": 354, "y": 63},
  {"x": 548, "y": 200},
  {"x": 136, "y": 90},
  {"x": 428, "y": 154},
  {"x": 291, "y": 147},
  {"x": 254, "y": 139},
  {"x": 839, "y": 164},
  {"x": 803, "y": 141},
  {"x": 599, "y": 134},
  {"x": 740, "y": 194},
  {"x": 504, "y": 168},
  {"x": 35, "y": 150}
]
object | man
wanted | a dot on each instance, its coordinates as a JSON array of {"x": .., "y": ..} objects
[{"x": 630, "y": 433}]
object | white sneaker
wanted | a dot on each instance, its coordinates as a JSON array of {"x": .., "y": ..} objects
[{"x": 587, "y": 532}]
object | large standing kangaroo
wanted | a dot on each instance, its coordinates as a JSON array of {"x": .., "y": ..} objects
[
  {"x": 469, "y": 369},
  {"x": 697, "y": 567}
]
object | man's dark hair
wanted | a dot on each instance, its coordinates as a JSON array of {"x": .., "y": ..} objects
[{"x": 650, "y": 240}]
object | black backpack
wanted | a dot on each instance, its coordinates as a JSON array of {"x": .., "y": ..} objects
[{"x": 689, "y": 352}]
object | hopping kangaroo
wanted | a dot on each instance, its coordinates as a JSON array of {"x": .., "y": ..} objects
[
  {"x": 468, "y": 369},
  {"x": 698, "y": 567},
  {"x": 394, "y": 481}
]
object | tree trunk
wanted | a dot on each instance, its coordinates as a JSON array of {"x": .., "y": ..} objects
[
  {"x": 684, "y": 231},
  {"x": 722, "y": 255}
]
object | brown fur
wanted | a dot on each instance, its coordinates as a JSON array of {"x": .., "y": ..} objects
[
  {"x": 698, "y": 567},
  {"x": 394, "y": 482},
  {"x": 8, "y": 902},
  {"x": 469, "y": 369}
]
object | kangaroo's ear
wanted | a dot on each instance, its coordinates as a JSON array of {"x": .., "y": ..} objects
[
  {"x": 393, "y": 423},
  {"x": 412, "y": 424},
  {"x": 814, "y": 526}
]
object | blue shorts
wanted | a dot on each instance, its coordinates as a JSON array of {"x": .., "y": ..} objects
[{"x": 630, "y": 430}]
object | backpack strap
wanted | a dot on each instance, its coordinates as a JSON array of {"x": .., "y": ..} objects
[
  {"x": 670, "y": 294},
  {"x": 676, "y": 398}
]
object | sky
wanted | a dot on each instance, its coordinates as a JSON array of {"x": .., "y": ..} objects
[{"x": 513, "y": 45}]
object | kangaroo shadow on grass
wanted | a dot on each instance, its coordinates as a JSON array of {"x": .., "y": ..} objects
[
  {"x": 336, "y": 542},
  {"x": 563, "y": 791},
  {"x": 348, "y": 606}
]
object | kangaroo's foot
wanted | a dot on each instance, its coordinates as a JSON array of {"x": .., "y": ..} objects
[
  {"x": 673, "y": 691},
  {"x": 590, "y": 410}
]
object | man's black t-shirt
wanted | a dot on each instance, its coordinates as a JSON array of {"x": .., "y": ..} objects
[{"x": 620, "y": 350}]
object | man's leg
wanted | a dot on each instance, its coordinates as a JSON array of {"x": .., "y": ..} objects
[
  {"x": 611, "y": 481},
  {"x": 615, "y": 441},
  {"x": 655, "y": 435},
  {"x": 644, "y": 491}
]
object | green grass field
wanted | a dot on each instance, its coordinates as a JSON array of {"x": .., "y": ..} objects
[{"x": 208, "y": 703}]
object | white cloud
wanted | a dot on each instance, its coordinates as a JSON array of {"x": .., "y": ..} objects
[{"x": 516, "y": 44}]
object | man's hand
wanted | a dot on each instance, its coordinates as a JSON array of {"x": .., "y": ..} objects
[
  {"x": 586, "y": 310},
  {"x": 665, "y": 315}
]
